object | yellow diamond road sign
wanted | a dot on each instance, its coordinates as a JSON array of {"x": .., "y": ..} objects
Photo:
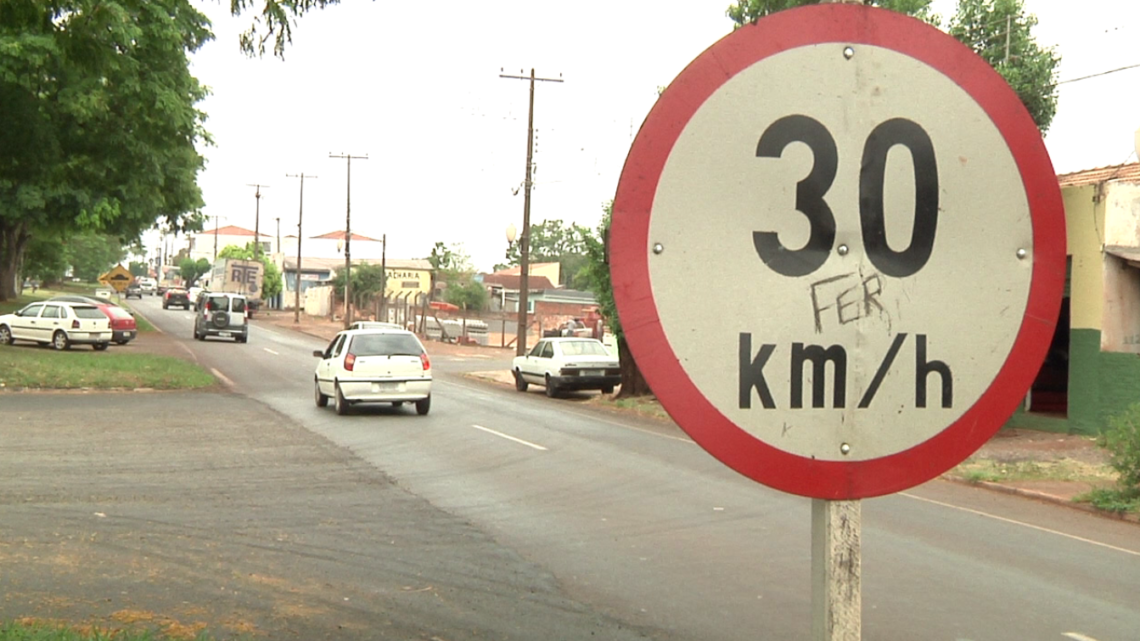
[{"x": 119, "y": 277}]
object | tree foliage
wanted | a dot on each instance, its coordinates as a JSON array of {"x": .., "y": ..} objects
[
  {"x": 997, "y": 30},
  {"x": 596, "y": 276},
  {"x": 554, "y": 241},
  {"x": 92, "y": 255},
  {"x": 1002, "y": 34},
  {"x": 138, "y": 268},
  {"x": 274, "y": 23},
  {"x": 192, "y": 270},
  {"x": 272, "y": 283},
  {"x": 100, "y": 125},
  {"x": 454, "y": 268},
  {"x": 367, "y": 284}
]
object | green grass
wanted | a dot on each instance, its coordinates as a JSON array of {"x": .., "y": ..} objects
[
  {"x": 23, "y": 366},
  {"x": 31, "y": 630},
  {"x": 1111, "y": 500}
]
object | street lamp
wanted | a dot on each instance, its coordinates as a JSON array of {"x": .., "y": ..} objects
[{"x": 524, "y": 284}]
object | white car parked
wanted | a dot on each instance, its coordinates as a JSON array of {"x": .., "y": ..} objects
[
  {"x": 59, "y": 324},
  {"x": 373, "y": 366},
  {"x": 565, "y": 363}
]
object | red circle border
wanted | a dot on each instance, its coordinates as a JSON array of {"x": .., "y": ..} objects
[{"x": 629, "y": 242}]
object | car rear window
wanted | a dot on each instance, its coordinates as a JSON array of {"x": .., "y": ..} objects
[
  {"x": 238, "y": 305},
  {"x": 583, "y": 348},
  {"x": 88, "y": 312},
  {"x": 119, "y": 312},
  {"x": 385, "y": 345},
  {"x": 215, "y": 303}
]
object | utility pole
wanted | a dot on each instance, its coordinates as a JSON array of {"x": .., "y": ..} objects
[
  {"x": 524, "y": 239},
  {"x": 278, "y": 234},
  {"x": 348, "y": 237},
  {"x": 216, "y": 217},
  {"x": 384, "y": 277},
  {"x": 257, "y": 220},
  {"x": 300, "y": 213}
]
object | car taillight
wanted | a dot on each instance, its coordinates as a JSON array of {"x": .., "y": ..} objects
[
  {"x": 75, "y": 324},
  {"x": 349, "y": 361},
  {"x": 425, "y": 361}
]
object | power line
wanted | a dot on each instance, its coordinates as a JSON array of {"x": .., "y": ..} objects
[{"x": 1097, "y": 75}]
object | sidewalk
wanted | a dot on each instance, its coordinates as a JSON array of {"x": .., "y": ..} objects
[{"x": 1043, "y": 451}]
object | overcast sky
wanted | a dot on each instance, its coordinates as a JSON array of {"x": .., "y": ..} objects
[{"x": 419, "y": 93}]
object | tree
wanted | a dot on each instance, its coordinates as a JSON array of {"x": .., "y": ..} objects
[
  {"x": 271, "y": 283},
  {"x": 367, "y": 284},
  {"x": 1001, "y": 33},
  {"x": 192, "y": 270},
  {"x": 100, "y": 121},
  {"x": 997, "y": 30},
  {"x": 91, "y": 255},
  {"x": 138, "y": 268},
  {"x": 466, "y": 293},
  {"x": 596, "y": 273},
  {"x": 553, "y": 241},
  {"x": 454, "y": 268}
]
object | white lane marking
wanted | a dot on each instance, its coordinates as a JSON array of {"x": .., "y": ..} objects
[
  {"x": 1077, "y": 636},
  {"x": 478, "y": 390},
  {"x": 1023, "y": 524},
  {"x": 509, "y": 437},
  {"x": 270, "y": 351},
  {"x": 222, "y": 376}
]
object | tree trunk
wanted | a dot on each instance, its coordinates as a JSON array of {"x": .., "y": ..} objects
[
  {"x": 632, "y": 382},
  {"x": 13, "y": 239}
]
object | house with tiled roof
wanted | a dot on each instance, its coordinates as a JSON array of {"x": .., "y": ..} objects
[
  {"x": 1092, "y": 371},
  {"x": 206, "y": 243}
]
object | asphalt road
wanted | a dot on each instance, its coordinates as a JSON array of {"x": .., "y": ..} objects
[{"x": 499, "y": 515}]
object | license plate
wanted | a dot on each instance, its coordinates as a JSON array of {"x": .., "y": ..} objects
[
  {"x": 592, "y": 372},
  {"x": 385, "y": 387},
  {"x": 224, "y": 334}
]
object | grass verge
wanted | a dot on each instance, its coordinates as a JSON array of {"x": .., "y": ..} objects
[
  {"x": 1111, "y": 499},
  {"x": 83, "y": 368},
  {"x": 995, "y": 471},
  {"x": 32, "y": 630}
]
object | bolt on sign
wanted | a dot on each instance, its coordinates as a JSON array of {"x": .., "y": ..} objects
[{"x": 891, "y": 238}]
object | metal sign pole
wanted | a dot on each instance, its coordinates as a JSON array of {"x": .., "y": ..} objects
[{"x": 836, "y": 591}]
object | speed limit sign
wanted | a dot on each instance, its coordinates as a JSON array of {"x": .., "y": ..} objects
[{"x": 838, "y": 251}]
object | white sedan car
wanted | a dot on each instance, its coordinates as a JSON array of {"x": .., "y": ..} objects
[
  {"x": 567, "y": 363},
  {"x": 57, "y": 323},
  {"x": 373, "y": 366}
]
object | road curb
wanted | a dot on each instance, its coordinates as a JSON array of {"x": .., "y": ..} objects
[{"x": 1044, "y": 497}]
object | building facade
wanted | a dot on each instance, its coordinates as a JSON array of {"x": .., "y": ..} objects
[{"x": 1093, "y": 369}]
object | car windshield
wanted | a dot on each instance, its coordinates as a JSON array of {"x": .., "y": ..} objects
[
  {"x": 583, "y": 348},
  {"x": 386, "y": 345},
  {"x": 88, "y": 312}
]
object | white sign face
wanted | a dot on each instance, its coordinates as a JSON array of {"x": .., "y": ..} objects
[{"x": 862, "y": 251}]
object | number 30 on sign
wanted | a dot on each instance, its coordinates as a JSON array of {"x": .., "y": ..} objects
[{"x": 838, "y": 251}]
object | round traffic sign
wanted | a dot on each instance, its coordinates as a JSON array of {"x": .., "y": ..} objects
[{"x": 838, "y": 251}]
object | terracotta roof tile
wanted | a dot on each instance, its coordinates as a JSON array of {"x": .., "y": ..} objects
[
  {"x": 1100, "y": 175},
  {"x": 339, "y": 235}
]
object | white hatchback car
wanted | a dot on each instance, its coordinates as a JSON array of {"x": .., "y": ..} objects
[
  {"x": 373, "y": 366},
  {"x": 59, "y": 324},
  {"x": 567, "y": 364}
]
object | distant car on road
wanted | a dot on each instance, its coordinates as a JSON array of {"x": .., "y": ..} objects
[
  {"x": 565, "y": 363},
  {"x": 148, "y": 285},
  {"x": 373, "y": 366},
  {"x": 57, "y": 323},
  {"x": 134, "y": 289},
  {"x": 175, "y": 297},
  {"x": 221, "y": 315}
]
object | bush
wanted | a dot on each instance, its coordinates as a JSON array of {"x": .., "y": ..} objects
[{"x": 1122, "y": 440}]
